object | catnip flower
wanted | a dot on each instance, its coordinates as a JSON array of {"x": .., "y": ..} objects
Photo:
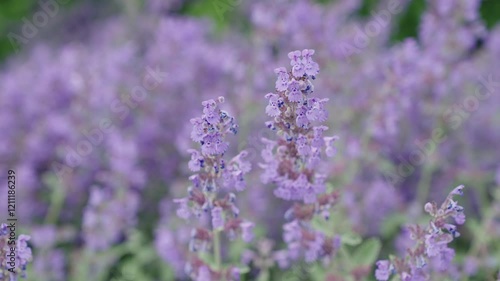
[
  {"x": 431, "y": 243},
  {"x": 212, "y": 192},
  {"x": 291, "y": 161},
  {"x": 247, "y": 231},
  {"x": 217, "y": 218}
]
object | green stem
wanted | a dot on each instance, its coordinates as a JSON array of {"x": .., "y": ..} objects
[
  {"x": 424, "y": 184},
  {"x": 217, "y": 250},
  {"x": 58, "y": 195},
  {"x": 263, "y": 275},
  {"x": 82, "y": 267}
]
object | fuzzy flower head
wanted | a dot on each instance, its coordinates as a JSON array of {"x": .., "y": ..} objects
[
  {"x": 210, "y": 131},
  {"x": 211, "y": 196},
  {"x": 291, "y": 161},
  {"x": 304, "y": 241},
  {"x": 383, "y": 271},
  {"x": 212, "y": 127},
  {"x": 295, "y": 112},
  {"x": 213, "y": 172},
  {"x": 431, "y": 251}
]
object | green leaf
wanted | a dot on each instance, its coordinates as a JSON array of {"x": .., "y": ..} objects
[
  {"x": 351, "y": 239},
  {"x": 317, "y": 272},
  {"x": 236, "y": 249},
  {"x": 392, "y": 225},
  {"x": 392, "y": 258},
  {"x": 244, "y": 269},
  {"x": 477, "y": 230},
  {"x": 264, "y": 276},
  {"x": 208, "y": 258},
  {"x": 367, "y": 253},
  {"x": 394, "y": 278},
  {"x": 57, "y": 197}
]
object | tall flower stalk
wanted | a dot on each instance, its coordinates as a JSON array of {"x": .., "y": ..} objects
[
  {"x": 211, "y": 194},
  {"x": 431, "y": 243},
  {"x": 292, "y": 161}
]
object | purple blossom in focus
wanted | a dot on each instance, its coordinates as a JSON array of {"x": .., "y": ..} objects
[
  {"x": 291, "y": 161},
  {"x": 211, "y": 193}
]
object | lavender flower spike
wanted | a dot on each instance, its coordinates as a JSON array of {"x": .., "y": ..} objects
[
  {"x": 291, "y": 161},
  {"x": 212, "y": 193},
  {"x": 431, "y": 251},
  {"x": 300, "y": 144}
]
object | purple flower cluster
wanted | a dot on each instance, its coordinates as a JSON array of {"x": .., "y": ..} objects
[
  {"x": 107, "y": 217},
  {"x": 431, "y": 243},
  {"x": 401, "y": 102},
  {"x": 408, "y": 108},
  {"x": 292, "y": 161},
  {"x": 212, "y": 191},
  {"x": 13, "y": 263}
]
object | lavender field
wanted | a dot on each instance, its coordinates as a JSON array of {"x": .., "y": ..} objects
[{"x": 228, "y": 140}]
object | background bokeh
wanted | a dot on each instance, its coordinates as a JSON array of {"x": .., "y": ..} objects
[{"x": 107, "y": 213}]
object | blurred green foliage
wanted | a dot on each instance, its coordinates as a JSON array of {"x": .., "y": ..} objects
[
  {"x": 11, "y": 14},
  {"x": 225, "y": 13},
  {"x": 490, "y": 11}
]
